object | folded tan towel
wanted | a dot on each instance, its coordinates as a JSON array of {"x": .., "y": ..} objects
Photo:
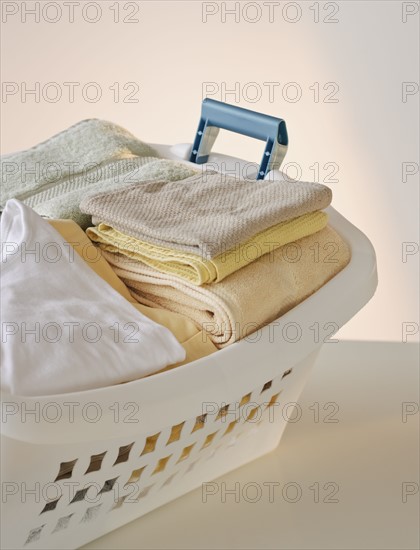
[
  {"x": 206, "y": 214},
  {"x": 64, "y": 201},
  {"x": 249, "y": 298}
]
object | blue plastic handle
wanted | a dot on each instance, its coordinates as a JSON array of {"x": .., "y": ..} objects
[{"x": 216, "y": 115}]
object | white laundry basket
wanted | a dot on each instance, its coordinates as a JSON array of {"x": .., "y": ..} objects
[{"x": 77, "y": 466}]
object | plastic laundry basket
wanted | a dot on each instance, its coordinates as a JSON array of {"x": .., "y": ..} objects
[{"x": 77, "y": 466}]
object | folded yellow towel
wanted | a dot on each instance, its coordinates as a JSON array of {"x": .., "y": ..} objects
[
  {"x": 250, "y": 298},
  {"x": 184, "y": 330},
  {"x": 197, "y": 270}
]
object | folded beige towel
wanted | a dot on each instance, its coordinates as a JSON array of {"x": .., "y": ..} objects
[
  {"x": 64, "y": 201},
  {"x": 248, "y": 299},
  {"x": 206, "y": 214}
]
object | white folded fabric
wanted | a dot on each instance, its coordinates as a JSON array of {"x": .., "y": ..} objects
[{"x": 63, "y": 328}]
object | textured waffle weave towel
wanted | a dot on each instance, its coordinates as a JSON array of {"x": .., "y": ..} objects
[
  {"x": 206, "y": 214},
  {"x": 197, "y": 270},
  {"x": 90, "y": 157},
  {"x": 251, "y": 297}
]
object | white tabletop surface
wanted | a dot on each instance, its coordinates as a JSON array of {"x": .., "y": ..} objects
[{"x": 369, "y": 458}]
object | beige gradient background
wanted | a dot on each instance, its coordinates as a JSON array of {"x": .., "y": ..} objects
[{"x": 170, "y": 53}]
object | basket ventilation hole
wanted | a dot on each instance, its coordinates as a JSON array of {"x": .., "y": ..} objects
[
  {"x": 230, "y": 427},
  {"x": 66, "y": 470},
  {"x": 199, "y": 422},
  {"x": 150, "y": 444},
  {"x": 95, "y": 463},
  {"x": 80, "y": 495},
  {"x": 169, "y": 480},
  {"x": 62, "y": 523},
  {"x": 175, "y": 433},
  {"x": 222, "y": 412},
  {"x": 161, "y": 465},
  {"x": 286, "y": 373},
  {"x": 211, "y": 454},
  {"x": 245, "y": 399},
  {"x": 232, "y": 441},
  {"x": 52, "y": 505},
  {"x": 91, "y": 513},
  {"x": 145, "y": 492},
  {"x": 267, "y": 386},
  {"x": 108, "y": 485},
  {"x": 135, "y": 476},
  {"x": 252, "y": 414},
  {"x": 124, "y": 453},
  {"x": 191, "y": 466},
  {"x": 119, "y": 502},
  {"x": 34, "y": 534},
  {"x": 186, "y": 451},
  {"x": 209, "y": 440},
  {"x": 273, "y": 400}
]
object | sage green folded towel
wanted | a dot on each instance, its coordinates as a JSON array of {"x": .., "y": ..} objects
[{"x": 90, "y": 157}]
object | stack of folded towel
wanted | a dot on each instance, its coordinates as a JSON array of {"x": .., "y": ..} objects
[
  {"x": 215, "y": 248},
  {"x": 185, "y": 331},
  {"x": 210, "y": 257}
]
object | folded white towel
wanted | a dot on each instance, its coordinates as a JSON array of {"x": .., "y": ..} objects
[{"x": 64, "y": 328}]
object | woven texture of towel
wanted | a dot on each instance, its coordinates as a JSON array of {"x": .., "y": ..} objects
[
  {"x": 248, "y": 299},
  {"x": 84, "y": 146},
  {"x": 68, "y": 194},
  {"x": 90, "y": 157},
  {"x": 197, "y": 270},
  {"x": 206, "y": 214}
]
